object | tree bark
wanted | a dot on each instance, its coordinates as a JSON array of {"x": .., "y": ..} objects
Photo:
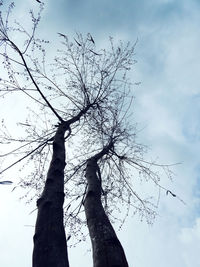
[
  {"x": 107, "y": 249},
  {"x": 50, "y": 246}
]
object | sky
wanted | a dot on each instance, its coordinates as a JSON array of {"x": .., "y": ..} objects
[{"x": 166, "y": 107}]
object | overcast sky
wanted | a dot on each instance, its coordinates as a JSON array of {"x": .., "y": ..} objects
[{"x": 167, "y": 108}]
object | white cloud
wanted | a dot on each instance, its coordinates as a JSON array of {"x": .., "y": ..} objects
[{"x": 190, "y": 240}]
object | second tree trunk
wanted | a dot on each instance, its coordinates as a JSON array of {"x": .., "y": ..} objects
[{"x": 107, "y": 249}]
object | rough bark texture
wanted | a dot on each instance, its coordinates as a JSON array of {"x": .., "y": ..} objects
[
  {"x": 107, "y": 249},
  {"x": 50, "y": 247}
]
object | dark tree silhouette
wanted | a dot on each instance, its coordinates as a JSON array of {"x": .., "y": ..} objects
[
  {"x": 82, "y": 100},
  {"x": 107, "y": 249},
  {"x": 50, "y": 248}
]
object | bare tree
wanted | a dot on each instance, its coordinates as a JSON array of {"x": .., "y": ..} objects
[
  {"x": 75, "y": 97},
  {"x": 104, "y": 179}
]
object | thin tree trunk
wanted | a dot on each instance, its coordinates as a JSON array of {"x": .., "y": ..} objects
[
  {"x": 50, "y": 247},
  {"x": 107, "y": 249}
]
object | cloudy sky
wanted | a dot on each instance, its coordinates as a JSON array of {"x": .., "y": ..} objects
[{"x": 167, "y": 108}]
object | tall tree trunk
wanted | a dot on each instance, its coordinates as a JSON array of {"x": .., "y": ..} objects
[
  {"x": 50, "y": 247},
  {"x": 107, "y": 249}
]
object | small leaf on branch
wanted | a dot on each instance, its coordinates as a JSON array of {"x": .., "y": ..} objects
[{"x": 6, "y": 182}]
